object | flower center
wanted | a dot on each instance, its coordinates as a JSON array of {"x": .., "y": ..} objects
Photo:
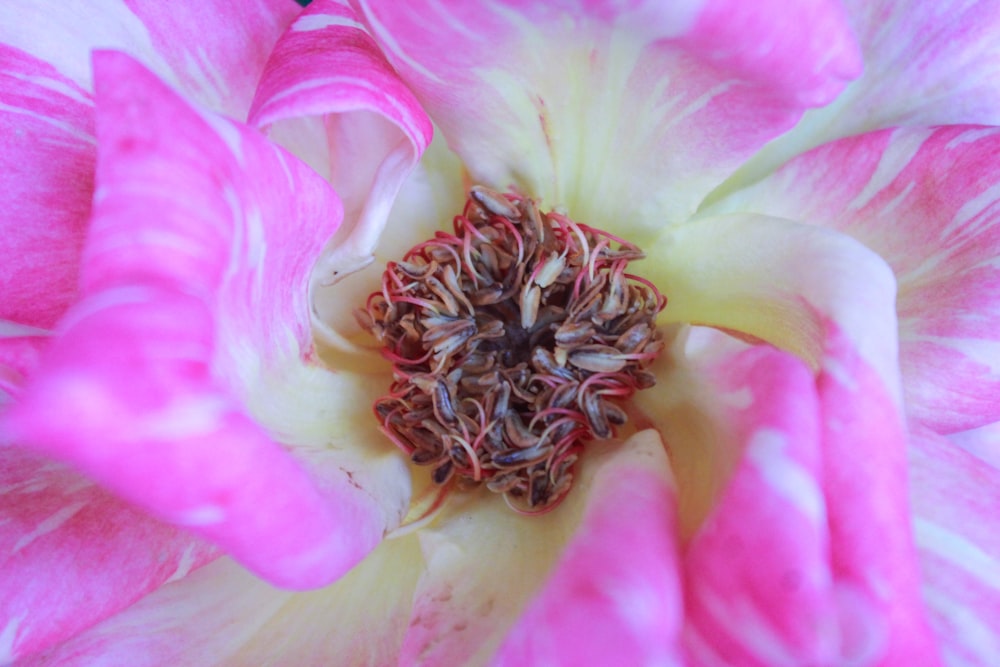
[{"x": 513, "y": 341}]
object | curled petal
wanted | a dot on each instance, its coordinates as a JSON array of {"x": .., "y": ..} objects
[
  {"x": 48, "y": 147},
  {"x": 645, "y": 93},
  {"x": 782, "y": 608},
  {"x": 927, "y": 202},
  {"x": 328, "y": 94},
  {"x": 781, "y": 282}
]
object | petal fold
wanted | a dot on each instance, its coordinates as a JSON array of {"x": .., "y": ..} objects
[
  {"x": 928, "y": 202},
  {"x": 779, "y": 281},
  {"x": 485, "y": 565},
  {"x": 807, "y": 556},
  {"x": 759, "y": 585},
  {"x": 186, "y": 301},
  {"x": 865, "y": 480},
  {"x": 614, "y": 597}
]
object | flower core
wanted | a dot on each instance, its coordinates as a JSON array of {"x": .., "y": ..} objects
[{"x": 513, "y": 340}]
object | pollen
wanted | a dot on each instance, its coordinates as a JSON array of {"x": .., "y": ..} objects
[{"x": 515, "y": 340}]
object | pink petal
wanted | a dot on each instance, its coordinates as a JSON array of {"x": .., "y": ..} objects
[
  {"x": 796, "y": 63},
  {"x": 327, "y": 68},
  {"x": 212, "y": 51},
  {"x": 222, "y": 614},
  {"x": 202, "y": 619},
  {"x": 806, "y": 558},
  {"x": 216, "y": 50},
  {"x": 864, "y": 450},
  {"x": 47, "y": 151},
  {"x": 957, "y": 529},
  {"x": 194, "y": 286},
  {"x": 72, "y": 554},
  {"x": 926, "y": 64},
  {"x": 614, "y": 596},
  {"x": 642, "y": 96},
  {"x": 926, "y": 201}
]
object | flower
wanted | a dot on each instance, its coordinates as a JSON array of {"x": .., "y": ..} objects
[{"x": 812, "y": 480}]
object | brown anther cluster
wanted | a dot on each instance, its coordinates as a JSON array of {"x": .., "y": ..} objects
[{"x": 513, "y": 341}]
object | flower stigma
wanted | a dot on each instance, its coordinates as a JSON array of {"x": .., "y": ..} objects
[{"x": 513, "y": 341}]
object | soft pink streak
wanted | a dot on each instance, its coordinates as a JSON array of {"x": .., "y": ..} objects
[
  {"x": 72, "y": 554},
  {"x": 955, "y": 498},
  {"x": 46, "y": 181}
]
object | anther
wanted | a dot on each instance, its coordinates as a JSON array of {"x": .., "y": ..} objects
[{"x": 514, "y": 341}]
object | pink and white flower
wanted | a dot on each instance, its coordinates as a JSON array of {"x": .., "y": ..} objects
[{"x": 190, "y": 473}]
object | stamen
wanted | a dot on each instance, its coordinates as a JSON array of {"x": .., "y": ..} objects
[{"x": 513, "y": 342}]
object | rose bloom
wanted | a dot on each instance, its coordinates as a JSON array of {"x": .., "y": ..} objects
[{"x": 196, "y": 196}]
